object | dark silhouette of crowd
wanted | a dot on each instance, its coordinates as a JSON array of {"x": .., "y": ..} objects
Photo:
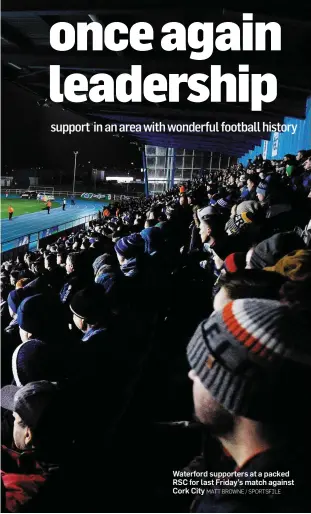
[{"x": 171, "y": 334}]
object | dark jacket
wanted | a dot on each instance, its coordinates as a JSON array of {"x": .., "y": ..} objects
[
  {"x": 251, "y": 195},
  {"x": 57, "y": 278},
  {"x": 264, "y": 493}
]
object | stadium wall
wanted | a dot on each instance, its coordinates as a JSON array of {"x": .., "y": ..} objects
[{"x": 283, "y": 143}]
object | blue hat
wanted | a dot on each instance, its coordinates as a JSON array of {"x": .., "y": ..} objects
[
  {"x": 153, "y": 238},
  {"x": 130, "y": 246},
  {"x": 35, "y": 360},
  {"x": 15, "y": 298},
  {"x": 262, "y": 188},
  {"x": 42, "y": 316}
]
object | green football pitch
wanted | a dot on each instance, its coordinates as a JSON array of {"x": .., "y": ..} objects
[{"x": 22, "y": 206}]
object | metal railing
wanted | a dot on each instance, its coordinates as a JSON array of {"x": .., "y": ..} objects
[
  {"x": 31, "y": 241},
  {"x": 78, "y": 194}
]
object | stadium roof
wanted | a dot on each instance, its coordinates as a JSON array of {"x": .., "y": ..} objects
[{"x": 27, "y": 55}]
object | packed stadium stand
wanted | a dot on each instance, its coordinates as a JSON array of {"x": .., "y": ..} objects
[{"x": 158, "y": 358}]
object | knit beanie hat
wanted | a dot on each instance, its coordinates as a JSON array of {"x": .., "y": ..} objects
[
  {"x": 238, "y": 222},
  {"x": 91, "y": 304},
  {"x": 262, "y": 188},
  {"x": 41, "y": 315},
  {"x": 270, "y": 251},
  {"x": 294, "y": 265},
  {"x": 130, "y": 246},
  {"x": 235, "y": 261},
  {"x": 153, "y": 238},
  {"x": 206, "y": 212},
  {"x": 248, "y": 206},
  {"x": 35, "y": 360},
  {"x": 250, "y": 360},
  {"x": 15, "y": 298},
  {"x": 100, "y": 261}
]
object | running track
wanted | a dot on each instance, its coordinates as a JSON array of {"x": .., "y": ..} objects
[{"x": 37, "y": 221}]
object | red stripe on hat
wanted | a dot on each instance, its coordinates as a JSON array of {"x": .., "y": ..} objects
[
  {"x": 230, "y": 263},
  {"x": 236, "y": 329}
]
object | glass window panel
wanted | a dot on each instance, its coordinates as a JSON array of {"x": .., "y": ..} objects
[
  {"x": 187, "y": 174},
  {"x": 188, "y": 162},
  {"x": 161, "y": 150},
  {"x": 34, "y": 237},
  {"x": 151, "y": 162},
  {"x": 161, "y": 161},
  {"x": 197, "y": 162},
  {"x": 150, "y": 150}
]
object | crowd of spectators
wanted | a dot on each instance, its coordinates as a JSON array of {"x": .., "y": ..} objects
[{"x": 101, "y": 328}]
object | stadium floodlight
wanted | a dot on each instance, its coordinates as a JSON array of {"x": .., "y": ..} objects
[{"x": 74, "y": 172}]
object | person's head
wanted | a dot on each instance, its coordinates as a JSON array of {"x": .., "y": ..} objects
[
  {"x": 235, "y": 261},
  {"x": 246, "y": 363},
  {"x": 300, "y": 154},
  {"x": 8, "y": 266},
  {"x": 129, "y": 247},
  {"x": 261, "y": 191},
  {"x": 252, "y": 181},
  {"x": 239, "y": 223},
  {"x": 38, "y": 267},
  {"x": 249, "y": 254},
  {"x": 288, "y": 157},
  {"x": 35, "y": 360},
  {"x": 14, "y": 276},
  {"x": 38, "y": 410},
  {"x": 41, "y": 316},
  {"x": 211, "y": 226},
  {"x": 269, "y": 251},
  {"x": 27, "y": 258},
  {"x": 153, "y": 238},
  {"x": 102, "y": 260},
  {"x": 90, "y": 308},
  {"x": 307, "y": 164},
  {"x": 15, "y": 298},
  {"x": 295, "y": 265},
  {"x": 183, "y": 200},
  {"x": 61, "y": 258},
  {"x": 73, "y": 262},
  {"x": 171, "y": 211},
  {"x": 247, "y": 283},
  {"x": 50, "y": 262},
  {"x": 85, "y": 244}
]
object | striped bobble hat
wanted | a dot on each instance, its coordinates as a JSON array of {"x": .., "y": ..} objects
[
  {"x": 130, "y": 246},
  {"x": 238, "y": 222},
  {"x": 254, "y": 358},
  {"x": 248, "y": 206}
]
